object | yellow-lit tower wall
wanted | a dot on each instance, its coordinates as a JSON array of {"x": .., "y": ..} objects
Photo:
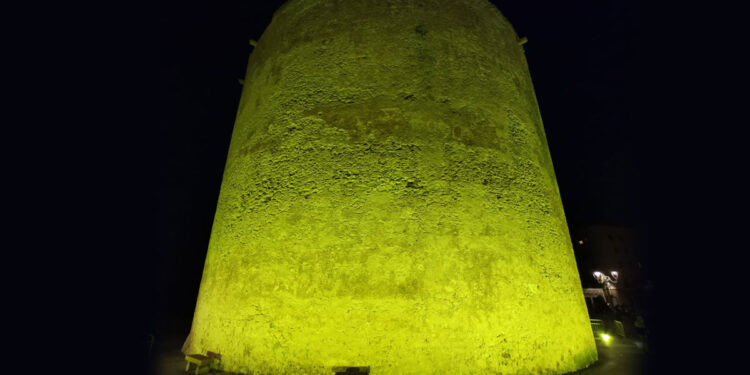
[{"x": 389, "y": 201}]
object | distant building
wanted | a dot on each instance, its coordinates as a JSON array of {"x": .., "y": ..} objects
[{"x": 607, "y": 248}]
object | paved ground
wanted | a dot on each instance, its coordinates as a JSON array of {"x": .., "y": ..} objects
[{"x": 619, "y": 357}]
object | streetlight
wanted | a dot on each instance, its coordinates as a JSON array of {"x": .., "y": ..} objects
[{"x": 609, "y": 284}]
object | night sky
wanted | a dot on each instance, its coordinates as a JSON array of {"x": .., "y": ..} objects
[{"x": 581, "y": 58}]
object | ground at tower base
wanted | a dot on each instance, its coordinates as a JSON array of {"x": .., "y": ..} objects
[{"x": 620, "y": 357}]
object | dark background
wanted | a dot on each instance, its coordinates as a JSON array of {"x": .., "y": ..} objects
[{"x": 581, "y": 55}]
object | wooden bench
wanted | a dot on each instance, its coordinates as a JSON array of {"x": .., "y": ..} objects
[
  {"x": 597, "y": 326},
  {"x": 202, "y": 363}
]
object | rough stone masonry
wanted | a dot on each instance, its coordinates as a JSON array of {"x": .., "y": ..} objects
[{"x": 389, "y": 201}]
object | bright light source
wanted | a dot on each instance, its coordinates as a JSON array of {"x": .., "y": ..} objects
[
  {"x": 606, "y": 337},
  {"x": 580, "y": 242},
  {"x": 614, "y": 273},
  {"x": 597, "y": 274}
]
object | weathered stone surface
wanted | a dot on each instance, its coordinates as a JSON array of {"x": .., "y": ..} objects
[{"x": 389, "y": 201}]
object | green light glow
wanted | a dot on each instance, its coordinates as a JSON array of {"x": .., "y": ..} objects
[
  {"x": 606, "y": 337},
  {"x": 389, "y": 201}
]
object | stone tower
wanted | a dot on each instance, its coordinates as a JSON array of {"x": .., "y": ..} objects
[{"x": 389, "y": 201}]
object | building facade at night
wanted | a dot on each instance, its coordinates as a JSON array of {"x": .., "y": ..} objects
[
  {"x": 389, "y": 201},
  {"x": 607, "y": 248}
]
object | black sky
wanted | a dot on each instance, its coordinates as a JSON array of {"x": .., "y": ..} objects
[{"x": 581, "y": 58}]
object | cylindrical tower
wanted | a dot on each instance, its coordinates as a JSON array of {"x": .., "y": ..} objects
[{"x": 389, "y": 201}]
